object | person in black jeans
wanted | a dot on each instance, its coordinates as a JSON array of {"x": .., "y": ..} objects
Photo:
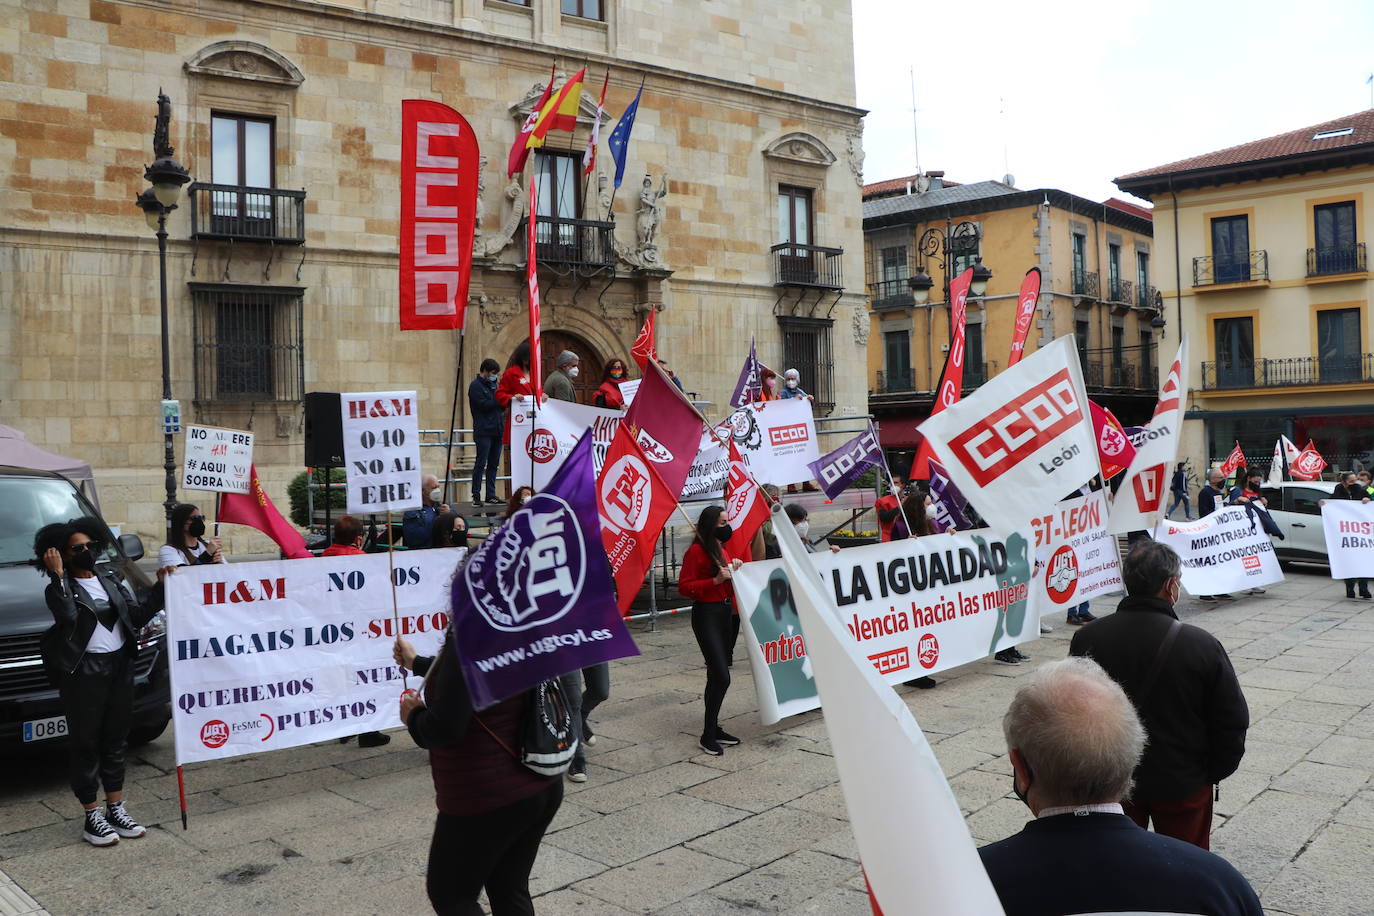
[
  {"x": 93, "y": 645},
  {"x": 488, "y": 423},
  {"x": 707, "y": 568},
  {"x": 1209, "y": 499},
  {"x": 1350, "y": 488}
]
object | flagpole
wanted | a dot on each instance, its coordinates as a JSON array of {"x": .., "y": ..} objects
[
  {"x": 891, "y": 482},
  {"x": 453, "y": 415},
  {"x": 395, "y": 610}
]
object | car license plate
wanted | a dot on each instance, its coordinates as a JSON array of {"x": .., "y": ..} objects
[{"x": 38, "y": 729}]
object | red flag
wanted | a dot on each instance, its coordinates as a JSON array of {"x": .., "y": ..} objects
[
  {"x": 560, "y": 113},
  {"x": 1309, "y": 463},
  {"x": 746, "y": 506},
  {"x": 519, "y": 152},
  {"x": 1114, "y": 449},
  {"x": 1234, "y": 460},
  {"x": 532, "y": 281},
  {"x": 255, "y": 510},
  {"x": 439, "y": 172},
  {"x": 593, "y": 141},
  {"x": 951, "y": 385},
  {"x": 634, "y": 505},
  {"x": 666, "y": 426},
  {"x": 1026, "y": 301},
  {"x": 643, "y": 350}
]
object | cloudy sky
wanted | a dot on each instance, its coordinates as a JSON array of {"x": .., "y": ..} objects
[{"x": 1071, "y": 93}]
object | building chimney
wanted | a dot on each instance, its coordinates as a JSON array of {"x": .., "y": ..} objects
[{"x": 936, "y": 180}]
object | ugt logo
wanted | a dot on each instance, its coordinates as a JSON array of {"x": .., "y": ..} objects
[
  {"x": 214, "y": 734},
  {"x": 928, "y": 650},
  {"x": 626, "y": 492},
  {"x": 1061, "y": 575},
  {"x": 542, "y": 446},
  {"x": 531, "y": 571}
]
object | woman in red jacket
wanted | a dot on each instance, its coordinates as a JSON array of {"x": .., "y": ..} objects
[
  {"x": 608, "y": 395},
  {"x": 515, "y": 384},
  {"x": 705, "y": 578}
]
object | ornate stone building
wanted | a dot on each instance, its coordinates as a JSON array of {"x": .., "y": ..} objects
[{"x": 739, "y": 214}]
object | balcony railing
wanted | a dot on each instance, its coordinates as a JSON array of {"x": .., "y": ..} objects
[
  {"x": 807, "y": 265},
  {"x": 578, "y": 245},
  {"x": 977, "y": 374},
  {"x": 1282, "y": 373},
  {"x": 891, "y": 381},
  {"x": 1145, "y": 297},
  {"x": 242, "y": 214},
  {"x": 1085, "y": 283},
  {"x": 1238, "y": 267},
  {"x": 1118, "y": 375},
  {"x": 891, "y": 294},
  {"x": 1341, "y": 259},
  {"x": 1122, "y": 291}
]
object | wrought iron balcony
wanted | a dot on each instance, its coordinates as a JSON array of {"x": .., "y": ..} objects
[
  {"x": 1238, "y": 267},
  {"x": 891, "y": 294},
  {"x": 1122, "y": 375},
  {"x": 1145, "y": 298},
  {"x": 581, "y": 246},
  {"x": 1120, "y": 291},
  {"x": 807, "y": 265},
  {"x": 1285, "y": 373},
  {"x": 891, "y": 381},
  {"x": 1085, "y": 283},
  {"x": 1341, "y": 259},
  {"x": 242, "y": 214}
]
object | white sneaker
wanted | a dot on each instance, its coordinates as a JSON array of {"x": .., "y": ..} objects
[
  {"x": 125, "y": 826},
  {"x": 1045, "y": 627},
  {"x": 97, "y": 830}
]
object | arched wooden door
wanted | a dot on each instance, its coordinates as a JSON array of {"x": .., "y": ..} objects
[{"x": 589, "y": 378}]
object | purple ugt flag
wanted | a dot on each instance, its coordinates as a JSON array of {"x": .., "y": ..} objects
[
  {"x": 749, "y": 388},
  {"x": 840, "y": 468},
  {"x": 947, "y": 502},
  {"x": 536, "y": 598}
]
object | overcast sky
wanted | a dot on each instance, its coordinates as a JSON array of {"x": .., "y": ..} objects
[{"x": 1071, "y": 93}]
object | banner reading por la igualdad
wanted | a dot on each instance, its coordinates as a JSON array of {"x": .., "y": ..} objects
[
  {"x": 1224, "y": 552},
  {"x": 916, "y": 606}
]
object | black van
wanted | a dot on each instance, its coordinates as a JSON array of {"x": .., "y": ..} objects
[{"x": 30, "y": 710}]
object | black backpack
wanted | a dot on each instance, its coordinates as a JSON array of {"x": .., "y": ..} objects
[{"x": 547, "y": 742}]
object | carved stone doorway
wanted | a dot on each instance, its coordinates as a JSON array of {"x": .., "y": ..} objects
[{"x": 589, "y": 378}]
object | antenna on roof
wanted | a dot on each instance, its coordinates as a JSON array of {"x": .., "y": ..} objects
[
  {"x": 915, "y": 130},
  {"x": 1006, "y": 155},
  {"x": 1369, "y": 81}
]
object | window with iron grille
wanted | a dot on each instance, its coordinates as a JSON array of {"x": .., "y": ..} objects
[
  {"x": 249, "y": 342},
  {"x": 806, "y": 348}
]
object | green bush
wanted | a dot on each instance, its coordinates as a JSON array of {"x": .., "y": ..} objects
[
  {"x": 867, "y": 480},
  {"x": 338, "y": 496}
]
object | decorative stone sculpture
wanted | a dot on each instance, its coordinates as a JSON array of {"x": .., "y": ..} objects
[
  {"x": 650, "y": 214},
  {"x": 478, "y": 246},
  {"x": 515, "y": 200}
]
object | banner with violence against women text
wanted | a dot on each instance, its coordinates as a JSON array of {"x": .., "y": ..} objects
[
  {"x": 777, "y": 440},
  {"x": 1349, "y": 530},
  {"x": 277, "y": 654},
  {"x": 1075, "y": 557},
  {"x": 1226, "y": 551},
  {"x": 542, "y": 439},
  {"x": 915, "y": 607}
]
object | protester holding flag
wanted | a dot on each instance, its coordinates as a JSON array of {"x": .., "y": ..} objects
[
  {"x": 707, "y": 568},
  {"x": 608, "y": 396},
  {"x": 888, "y": 508},
  {"x": 190, "y": 547}
]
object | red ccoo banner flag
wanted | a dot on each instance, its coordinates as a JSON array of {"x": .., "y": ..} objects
[
  {"x": 1026, "y": 301},
  {"x": 439, "y": 171}
]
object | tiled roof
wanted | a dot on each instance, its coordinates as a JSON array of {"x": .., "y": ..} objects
[
  {"x": 896, "y": 186},
  {"x": 1293, "y": 143},
  {"x": 979, "y": 190},
  {"x": 1116, "y": 203}
]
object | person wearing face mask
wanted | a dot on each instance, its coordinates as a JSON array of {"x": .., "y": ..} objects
[
  {"x": 191, "y": 547},
  {"x": 1351, "y": 488},
  {"x": 417, "y": 525},
  {"x": 801, "y": 520},
  {"x": 791, "y": 387},
  {"x": 517, "y": 499},
  {"x": 707, "y": 569},
  {"x": 1074, "y": 740},
  {"x": 608, "y": 395},
  {"x": 348, "y": 542},
  {"x": 768, "y": 385},
  {"x": 486, "y": 431},
  {"x": 90, "y": 653},
  {"x": 559, "y": 384},
  {"x": 1181, "y": 681}
]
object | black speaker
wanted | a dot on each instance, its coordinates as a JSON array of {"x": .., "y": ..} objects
[{"x": 323, "y": 430}]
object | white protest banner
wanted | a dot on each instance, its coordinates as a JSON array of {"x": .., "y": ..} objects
[
  {"x": 915, "y": 849},
  {"x": 916, "y": 606},
  {"x": 217, "y": 459},
  {"x": 710, "y": 469},
  {"x": 540, "y": 440},
  {"x": 1349, "y": 529},
  {"x": 1139, "y": 503},
  {"x": 277, "y": 654},
  {"x": 777, "y": 439},
  {"x": 628, "y": 390},
  {"x": 1075, "y": 556},
  {"x": 1021, "y": 441},
  {"x": 1226, "y": 551},
  {"x": 381, "y": 440}
]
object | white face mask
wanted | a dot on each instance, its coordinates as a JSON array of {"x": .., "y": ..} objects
[
  {"x": 803, "y": 527},
  {"x": 435, "y": 495},
  {"x": 572, "y": 371},
  {"x": 792, "y": 383},
  {"x": 524, "y": 499}
]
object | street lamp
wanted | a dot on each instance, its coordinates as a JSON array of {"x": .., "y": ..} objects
[
  {"x": 943, "y": 245},
  {"x": 165, "y": 176}
]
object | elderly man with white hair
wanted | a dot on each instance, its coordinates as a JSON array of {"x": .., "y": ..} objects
[{"x": 1074, "y": 740}]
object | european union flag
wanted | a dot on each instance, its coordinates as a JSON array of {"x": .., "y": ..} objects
[{"x": 620, "y": 137}]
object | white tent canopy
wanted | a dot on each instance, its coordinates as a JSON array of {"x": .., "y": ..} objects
[{"x": 18, "y": 451}]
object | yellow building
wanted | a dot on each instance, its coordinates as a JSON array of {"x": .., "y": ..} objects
[
  {"x": 1262, "y": 263},
  {"x": 1097, "y": 284}
]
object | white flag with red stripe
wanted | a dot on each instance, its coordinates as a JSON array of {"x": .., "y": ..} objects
[{"x": 1139, "y": 503}]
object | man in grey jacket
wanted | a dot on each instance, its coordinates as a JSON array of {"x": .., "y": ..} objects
[{"x": 559, "y": 384}]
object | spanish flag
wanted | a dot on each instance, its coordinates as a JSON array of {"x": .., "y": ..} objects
[{"x": 559, "y": 112}]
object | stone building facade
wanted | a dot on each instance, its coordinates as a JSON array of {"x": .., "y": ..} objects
[{"x": 282, "y": 265}]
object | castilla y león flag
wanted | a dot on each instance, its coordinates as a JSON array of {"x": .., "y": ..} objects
[
  {"x": 256, "y": 510},
  {"x": 634, "y": 505},
  {"x": 1114, "y": 448},
  {"x": 439, "y": 171},
  {"x": 666, "y": 427}
]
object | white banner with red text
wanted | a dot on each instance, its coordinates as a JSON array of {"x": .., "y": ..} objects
[
  {"x": 916, "y": 607},
  {"x": 1349, "y": 529},
  {"x": 1075, "y": 557},
  {"x": 1224, "y": 552},
  {"x": 777, "y": 439},
  {"x": 271, "y": 655},
  {"x": 540, "y": 440}
]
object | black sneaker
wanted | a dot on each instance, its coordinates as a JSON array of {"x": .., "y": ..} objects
[
  {"x": 476, "y": 504},
  {"x": 125, "y": 826},
  {"x": 1007, "y": 657},
  {"x": 578, "y": 771},
  {"x": 97, "y": 831},
  {"x": 373, "y": 739},
  {"x": 1020, "y": 656},
  {"x": 922, "y": 683},
  {"x": 1227, "y": 597},
  {"x": 725, "y": 738},
  {"x": 711, "y": 746}
]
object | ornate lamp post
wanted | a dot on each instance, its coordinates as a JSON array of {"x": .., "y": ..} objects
[
  {"x": 944, "y": 245},
  {"x": 165, "y": 176}
]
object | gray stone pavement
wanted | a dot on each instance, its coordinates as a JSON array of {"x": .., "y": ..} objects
[{"x": 662, "y": 828}]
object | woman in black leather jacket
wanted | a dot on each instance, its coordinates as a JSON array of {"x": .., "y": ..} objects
[{"x": 92, "y": 647}]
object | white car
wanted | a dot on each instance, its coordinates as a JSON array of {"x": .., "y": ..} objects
[{"x": 1296, "y": 506}]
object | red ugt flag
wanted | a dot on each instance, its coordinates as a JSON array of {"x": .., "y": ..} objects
[
  {"x": 746, "y": 507},
  {"x": 1234, "y": 460},
  {"x": 1309, "y": 463},
  {"x": 643, "y": 350},
  {"x": 666, "y": 426},
  {"x": 634, "y": 505},
  {"x": 255, "y": 510}
]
